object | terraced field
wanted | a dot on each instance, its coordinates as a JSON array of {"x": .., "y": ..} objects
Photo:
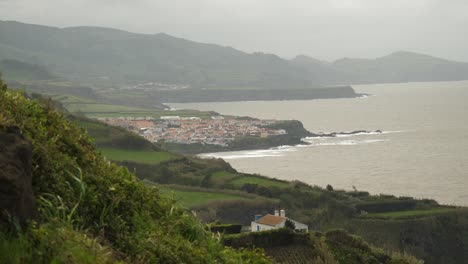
[
  {"x": 190, "y": 198},
  {"x": 259, "y": 181},
  {"x": 95, "y": 109},
  {"x": 410, "y": 213},
  {"x": 148, "y": 157}
]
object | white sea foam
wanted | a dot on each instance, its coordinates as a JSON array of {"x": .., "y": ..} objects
[
  {"x": 348, "y": 142},
  {"x": 354, "y": 135},
  {"x": 313, "y": 142},
  {"x": 284, "y": 150}
]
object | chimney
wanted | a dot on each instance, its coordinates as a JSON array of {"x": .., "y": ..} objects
[
  {"x": 257, "y": 217},
  {"x": 276, "y": 212},
  {"x": 283, "y": 213}
]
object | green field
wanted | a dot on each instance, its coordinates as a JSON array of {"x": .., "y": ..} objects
[
  {"x": 92, "y": 108},
  {"x": 259, "y": 181},
  {"x": 191, "y": 198},
  {"x": 148, "y": 157},
  {"x": 221, "y": 177},
  {"x": 72, "y": 99},
  {"x": 410, "y": 214}
]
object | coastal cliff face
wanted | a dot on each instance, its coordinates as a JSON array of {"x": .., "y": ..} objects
[{"x": 17, "y": 201}]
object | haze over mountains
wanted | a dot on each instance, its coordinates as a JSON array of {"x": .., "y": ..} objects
[{"x": 93, "y": 55}]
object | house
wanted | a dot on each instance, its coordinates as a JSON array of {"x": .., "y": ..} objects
[{"x": 275, "y": 221}]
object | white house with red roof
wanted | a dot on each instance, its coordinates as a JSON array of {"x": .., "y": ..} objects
[{"x": 275, "y": 221}]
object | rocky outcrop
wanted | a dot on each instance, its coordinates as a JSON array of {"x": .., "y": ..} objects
[
  {"x": 334, "y": 134},
  {"x": 16, "y": 194}
]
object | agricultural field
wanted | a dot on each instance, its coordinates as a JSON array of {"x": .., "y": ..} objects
[
  {"x": 196, "y": 197},
  {"x": 96, "y": 109},
  {"x": 261, "y": 181},
  {"x": 410, "y": 213},
  {"x": 222, "y": 177},
  {"x": 147, "y": 157}
]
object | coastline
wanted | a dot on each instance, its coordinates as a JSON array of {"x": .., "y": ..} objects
[{"x": 296, "y": 133}]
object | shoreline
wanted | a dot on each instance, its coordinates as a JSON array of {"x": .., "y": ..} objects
[{"x": 296, "y": 138}]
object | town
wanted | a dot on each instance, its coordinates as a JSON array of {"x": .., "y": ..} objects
[{"x": 217, "y": 130}]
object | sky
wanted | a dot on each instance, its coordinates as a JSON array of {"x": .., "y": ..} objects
[{"x": 324, "y": 29}]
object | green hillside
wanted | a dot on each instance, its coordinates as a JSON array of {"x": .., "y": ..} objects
[
  {"x": 334, "y": 246},
  {"x": 93, "y": 54},
  {"x": 105, "y": 57},
  {"x": 92, "y": 211},
  {"x": 21, "y": 71}
]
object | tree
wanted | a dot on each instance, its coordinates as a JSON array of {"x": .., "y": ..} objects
[
  {"x": 329, "y": 188},
  {"x": 290, "y": 225}
]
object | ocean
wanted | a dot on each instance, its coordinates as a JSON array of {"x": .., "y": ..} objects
[{"x": 422, "y": 152}]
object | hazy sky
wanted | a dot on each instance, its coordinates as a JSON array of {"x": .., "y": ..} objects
[{"x": 323, "y": 29}]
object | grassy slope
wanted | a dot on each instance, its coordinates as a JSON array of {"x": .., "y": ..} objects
[
  {"x": 151, "y": 157},
  {"x": 93, "y": 108},
  {"x": 335, "y": 246},
  {"x": 78, "y": 190},
  {"x": 239, "y": 182},
  {"x": 410, "y": 214},
  {"x": 192, "y": 197}
]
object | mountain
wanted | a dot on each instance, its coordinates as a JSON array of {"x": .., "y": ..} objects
[
  {"x": 18, "y": 70},
  {"x": 97, "y": 56},
  {"x": 401, "y": 66},
  {"x": 100, "y": 53}
]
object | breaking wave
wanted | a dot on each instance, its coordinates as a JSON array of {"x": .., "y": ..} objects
[{"x": 312, "y": 142}]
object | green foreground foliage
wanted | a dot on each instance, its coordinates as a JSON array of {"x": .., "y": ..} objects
[
  {"x": 87, "y": 202},
  {"x": 334, "y": 246}
]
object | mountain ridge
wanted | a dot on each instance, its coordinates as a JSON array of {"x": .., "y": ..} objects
[{"x": 96, "y": 53}]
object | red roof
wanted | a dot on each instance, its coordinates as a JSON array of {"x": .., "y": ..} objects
[{"x": 271, "y": 220}]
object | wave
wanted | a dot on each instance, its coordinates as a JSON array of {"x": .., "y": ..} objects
[
  {"x": 356, "y": 134},
  {"x": 348, "y": 142},
  {"x": 312, "y": 142}
]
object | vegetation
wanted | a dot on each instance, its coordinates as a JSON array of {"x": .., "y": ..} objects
[
  {"x": 259, "y": 181},
  {"x": 335, "y": 246},
  {"x": 18, "y": 70},
  {"x": 151, "y": 157},
  {"x": 79, "y": 190},
  {"x": 105, "y": 136},
  {"x": 191, "y": 197},
  {"x": 410, "y": 213},
  {"x": 127, "y": 59}
]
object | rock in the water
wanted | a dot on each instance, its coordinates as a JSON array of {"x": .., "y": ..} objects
[{"x": 16, "y": 194}]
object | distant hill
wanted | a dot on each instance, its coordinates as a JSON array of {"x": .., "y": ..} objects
[
  {"x": 93, "y": 54},
  {"x": 22, "y": 71},
  {"x": 401, "y": 66},
  {"x": 114, "y": 57}
]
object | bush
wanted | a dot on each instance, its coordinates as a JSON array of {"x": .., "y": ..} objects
[{"x": 225, "y": 228}]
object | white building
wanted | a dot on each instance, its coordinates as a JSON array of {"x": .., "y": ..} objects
[
  {"x": 276, "y": 221},
  {"x": 170, "y": 117}
]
